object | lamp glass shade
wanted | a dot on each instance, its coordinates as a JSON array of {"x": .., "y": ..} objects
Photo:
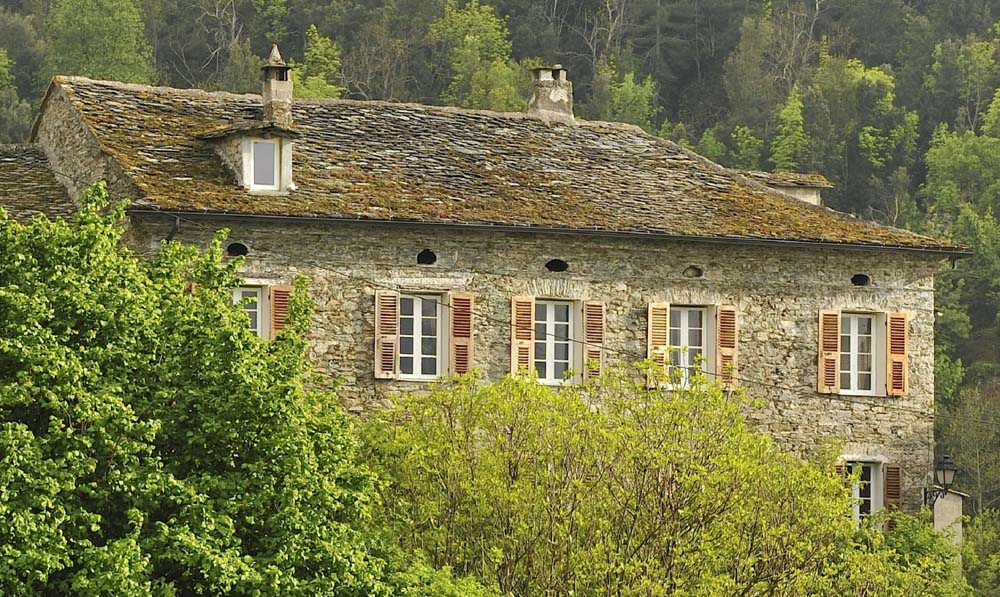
[{"x": 944, "y": 471}]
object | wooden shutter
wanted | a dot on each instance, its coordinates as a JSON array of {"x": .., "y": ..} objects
[
  {"x": 386, "y": 333},
  {"x": 522, "y": 332},
  {"x": 658, "y": 334},
  {"x": 726, "y": 341},
  {"x": 593, "y": 338},
  {"x": 897, "y": 378},
  {"x": 461, "y": 358},
  {"x": 278, "y": 297},
  {"x": 828, "y": 374},
  {"x": 892, "y": 491}
]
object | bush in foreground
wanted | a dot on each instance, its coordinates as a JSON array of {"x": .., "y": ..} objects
[
  {"x": 151, "y": 444},
  {"x": 611, "y": 488}
]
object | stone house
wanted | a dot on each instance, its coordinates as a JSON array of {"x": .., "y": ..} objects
[{"x": 439, "y": 240}]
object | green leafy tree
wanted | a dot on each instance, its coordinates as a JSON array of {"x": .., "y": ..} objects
[
  {"x": 150, "y": 443},
  {"x": 710, "y": 146},
  {"x": 319, "y": 74},
  {"x": 15, "y": 114},
  {"x": 103, "y": 39},
  {"x": 476, "y": 46},
  {"x": 612, "y": 488},
  {"x": 747, "y": 148},
  {"x": 633, "y": 101},
  {"x": 790, "y": 146},
  {"x": 242, "y": 71}
]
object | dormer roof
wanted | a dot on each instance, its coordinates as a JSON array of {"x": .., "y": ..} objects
[{"x": 391, "y": 162}]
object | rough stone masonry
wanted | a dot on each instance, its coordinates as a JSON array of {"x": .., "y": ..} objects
[{"x": 778, "y": 291}]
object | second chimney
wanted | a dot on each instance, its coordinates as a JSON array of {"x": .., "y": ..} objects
[
  {"x": 277, "y": 93},
  {"x": 552, "y": 95}
]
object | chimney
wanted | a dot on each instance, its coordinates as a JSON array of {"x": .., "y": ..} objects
[
  {"x": 552, "y": 95},
  {"x": 277, "y": 94}
]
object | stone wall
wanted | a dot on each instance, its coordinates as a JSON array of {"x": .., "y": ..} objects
[
  {"x": 778, "y": 290},
  {"x": 76, "y": 156}
]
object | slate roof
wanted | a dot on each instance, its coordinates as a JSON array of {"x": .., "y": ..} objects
[
  {"x": 789, "y": 179},
  {"x": 28, "y": 186},
  {"x": 413, "y": 163}
]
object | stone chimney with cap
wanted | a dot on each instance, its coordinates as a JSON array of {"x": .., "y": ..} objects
[
  {"x": 277, "y": 93},
  {"x": 552, "y": 95}
]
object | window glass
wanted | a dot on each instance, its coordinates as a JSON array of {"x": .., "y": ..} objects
[
  {"x": 857, "y": 362},
  {"x": 687, "y": 342},
  {"x": 866, "y": 491},
  {"x": 419, "y": 337},
  {"x": 252, "y": 307},
  {"x": 553, "y": 344},
  {"x": 265, "y": 163}
]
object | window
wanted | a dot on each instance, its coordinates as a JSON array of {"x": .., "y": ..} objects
[
  {"x": 866, "y": 491},
  {"x": 857, "y": 357},
  {"x": 553, "y": 348},
  {"x": 688, "y": 339},
  {"x": 420, "y": 337},
  {"x": 252, "y": 299},
  {"x": 266, "y": 165}
]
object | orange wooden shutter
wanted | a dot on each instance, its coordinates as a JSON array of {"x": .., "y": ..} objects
[
  {"x": 386, "y": 333},
  {"x": 658, "y": 333},
  {"x": 522, "y": 332},
  {"x": 726, "y": 340},
  {"x": 892, "y": 493},
  {"x": 278, "y": 297},
  {"x": 461, "y": 333},
  {"x": 897, "y": 378},
  {"x": 593, "y": 338},
  {"x": 828, "y": 376}
]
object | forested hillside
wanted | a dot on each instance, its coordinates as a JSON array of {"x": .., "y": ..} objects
[{"x": 894, "y": 101}]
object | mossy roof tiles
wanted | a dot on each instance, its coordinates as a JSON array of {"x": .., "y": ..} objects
[
  {"x": 404, "y": 162},
  {"x": 28, "y": 185}
]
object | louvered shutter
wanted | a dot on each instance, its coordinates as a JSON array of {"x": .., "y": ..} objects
[
  {"x": 897, "y": 378},
  {"x": 386, "y": 333},
  {"x": 461, "y": 359},
  {"x": 828, "y": 375},
  {"x": 522, "y": 332},
  {"x": 658, "y": 334},
  {"x": 278, "y": 298},
  {"x": 593, "y": 338},
  {"x": 892, "y": 492},
  {"x": 726, "y": 340}
]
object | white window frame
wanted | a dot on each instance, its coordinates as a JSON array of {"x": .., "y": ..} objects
[
  {"x": 849, "y": 330},
  {"x": 443, "y": 332},
  {"x": 548, "y": 340},
  {"x": 876, "y": 484},
  {"x": 263, "y": 307},
  {"x": 277, "y": 165},
  {"x": 683, "y": 348}
]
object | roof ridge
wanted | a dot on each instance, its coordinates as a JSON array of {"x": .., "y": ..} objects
[{"x": 331, "y": 101}]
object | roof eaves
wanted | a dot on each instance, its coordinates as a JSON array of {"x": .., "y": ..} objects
[{"x": 956, "y": 251}]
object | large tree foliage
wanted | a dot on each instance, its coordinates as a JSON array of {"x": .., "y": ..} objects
[
  {"x": 103, "y": 39},
  {"x": 15, "y": 113},
  {"x": 151, "y": 444},
  {"x": 611, "y": 488}
]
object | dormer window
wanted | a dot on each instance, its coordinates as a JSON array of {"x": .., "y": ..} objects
[{"x": 265, "y": 165}]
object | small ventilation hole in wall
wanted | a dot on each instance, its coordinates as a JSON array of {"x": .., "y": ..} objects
[
  {"x": 426, "y": 257},
  {"x": 693, "y": 271},
  {"x": 557, "y": 265},
  {"x": 861, "y": 279},
  {"x": 236, "y": 249}
]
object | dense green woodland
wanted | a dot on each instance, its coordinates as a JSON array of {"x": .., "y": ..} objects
[{"x": 894, "y": 101}]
